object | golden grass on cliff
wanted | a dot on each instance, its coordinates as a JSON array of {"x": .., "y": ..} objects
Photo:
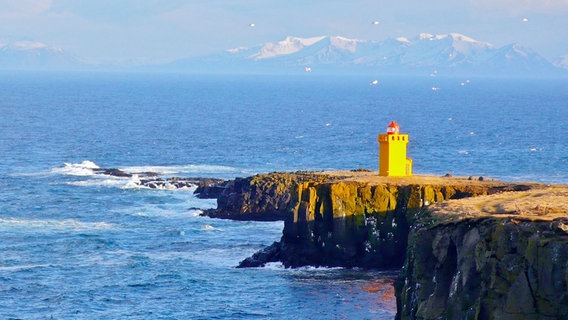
[
  {"x": 373, "y": 178},
  {"x": 542, "y": 203}
]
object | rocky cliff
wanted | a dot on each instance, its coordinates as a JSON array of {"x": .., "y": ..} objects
[
  {"x": 362, "y": 222},
  {"x": 497, "y": 257},
  {"x": 350, "y": 219},
  {"x": 501, "y": 257},
  {"x": 264, "y": 197}
]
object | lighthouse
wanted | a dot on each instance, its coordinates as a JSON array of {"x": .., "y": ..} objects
[{"x": 392, "y": 153}]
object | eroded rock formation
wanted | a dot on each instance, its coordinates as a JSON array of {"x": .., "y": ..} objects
[
  {"x": 497, "y": 257},
  {"x": 264, "y": 197},
  {"x": 468, "y": 248}
]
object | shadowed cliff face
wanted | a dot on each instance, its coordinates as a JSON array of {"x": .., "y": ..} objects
[
  {"x": 489, "y": 268},
  {"x": 352, "y": 224},
  {"x": 493, "y": 257}
]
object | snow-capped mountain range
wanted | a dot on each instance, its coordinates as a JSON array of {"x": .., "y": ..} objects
[
  {"x": 446, "y": 53},
  {"x": 33, "y": 55},
  {"x": 443, "y": 54}
]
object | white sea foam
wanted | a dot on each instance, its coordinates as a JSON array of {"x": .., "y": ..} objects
[
  {"x": 177, "y": 169},
  {"x": 68, "y": 224},
  {"x": 208, "y": 227},
  {"x": 274, "y": 266},
  {"x": 133, "y": 183},
  {"x": 85, "y": 168},
  {"x": 111, "y": 182},
  {"x": 196, "y": 213}
]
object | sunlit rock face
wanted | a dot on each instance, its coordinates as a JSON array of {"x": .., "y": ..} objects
[
  {"x": 357, "y": 224},
  {"x": 347, "y": 219}
]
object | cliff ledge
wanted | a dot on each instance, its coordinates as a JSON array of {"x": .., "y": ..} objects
[{"x": 471, "y": 248}]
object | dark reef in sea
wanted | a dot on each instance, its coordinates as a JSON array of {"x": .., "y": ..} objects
[
  {"x": 503, "y": 256},
  {"x": 153, "y": 180}
]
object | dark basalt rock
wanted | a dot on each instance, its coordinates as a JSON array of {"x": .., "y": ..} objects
[
  {"x": 264, "y": 197},
  {"x": 487, "y": 268},
  {"x": 206, "y": 187},
  {"x": 209, "y": 188},
  {"x": 262, "y": 257},
  {"x": 334, "y": 223},
  {"x": 112, "y": 172}
]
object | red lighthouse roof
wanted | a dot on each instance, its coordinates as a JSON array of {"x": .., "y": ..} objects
[{"x": 393, "y": 127}]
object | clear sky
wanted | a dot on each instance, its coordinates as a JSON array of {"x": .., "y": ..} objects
[{"x": 132, "y": 31}]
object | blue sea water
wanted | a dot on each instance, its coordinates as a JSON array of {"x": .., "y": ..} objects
[{"x": 75, "y": 245}]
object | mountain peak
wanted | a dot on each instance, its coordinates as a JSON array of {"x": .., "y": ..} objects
[
  {"x": 345, "y": 43},
  {"x": 23, "y": 55},
  {"x": 461, "y": 37},
  {"x": 287, "y": 46},
  {"x": 425, "y": 36},
  {"x": 453, "y": 36}
]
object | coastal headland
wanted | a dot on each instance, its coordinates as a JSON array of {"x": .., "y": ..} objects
[{"x": 467, "y": 247}]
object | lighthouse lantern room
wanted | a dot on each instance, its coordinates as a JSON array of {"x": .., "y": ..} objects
[{"x": 392, "y": 153}]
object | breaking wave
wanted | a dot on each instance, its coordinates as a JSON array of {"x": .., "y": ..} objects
[
  {"x": 85, "y": 168},
  {"x": 139, "y": 177}
]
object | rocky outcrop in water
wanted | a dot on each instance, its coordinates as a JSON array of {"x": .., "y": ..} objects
[
  {"x": 264, "y": 197},
  {"x": 153, "y": 180}
]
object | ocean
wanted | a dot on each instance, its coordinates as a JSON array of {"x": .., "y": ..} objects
[{"x": 75, "y": 244}]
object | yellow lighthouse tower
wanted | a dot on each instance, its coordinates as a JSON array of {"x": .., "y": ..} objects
[{"x": 392, "y": 153}]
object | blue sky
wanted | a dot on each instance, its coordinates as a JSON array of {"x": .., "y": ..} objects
[{"x": 140, "y": 31}]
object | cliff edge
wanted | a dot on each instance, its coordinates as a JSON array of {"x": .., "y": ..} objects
[
  {"x": 471, "y": 248},
  {"x": 491, "y": 257}
]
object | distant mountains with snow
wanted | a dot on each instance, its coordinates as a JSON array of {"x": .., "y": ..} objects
[
  {"x": 424, "y": 54},
  {"x": 445, "y": 54},
  {"x": 31, "y": 55}
]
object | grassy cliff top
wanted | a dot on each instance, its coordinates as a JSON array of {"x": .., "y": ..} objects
[
  {"x": 541, "y": 203},
  {"x": 373, "y": 178},
  {"x": 535, "y": 201}
]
